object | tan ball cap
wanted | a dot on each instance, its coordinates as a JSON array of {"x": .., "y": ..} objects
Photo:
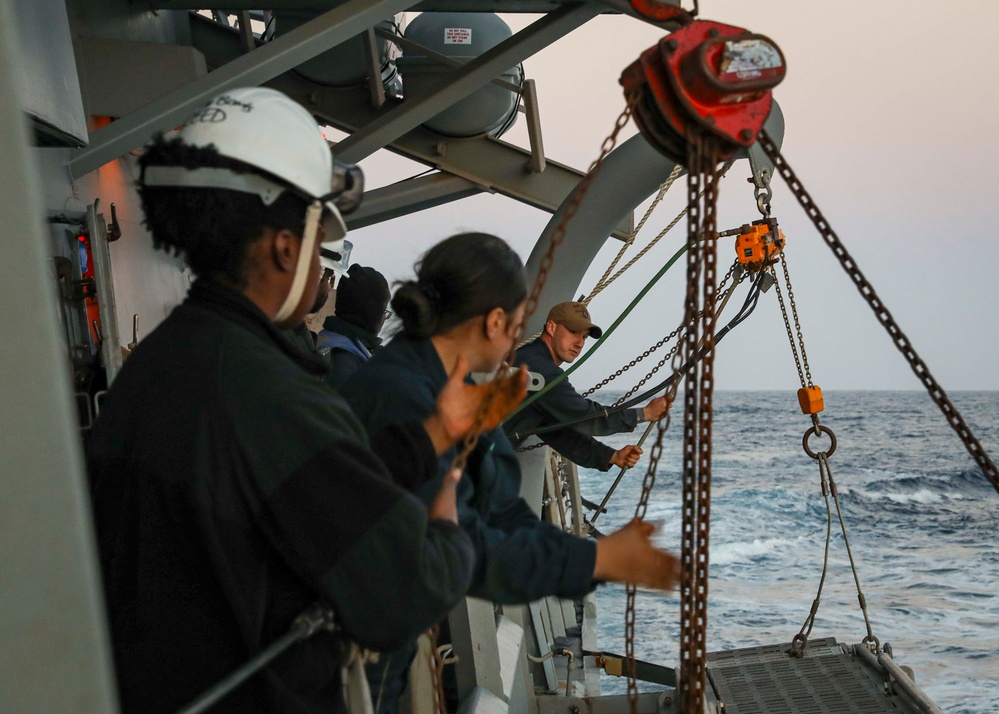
[{"x": 575, "y": 317}]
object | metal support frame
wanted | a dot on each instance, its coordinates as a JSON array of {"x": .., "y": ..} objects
[
  {"x": 400, "y": 119},
  {"x": 489, "y": 163},
  {"x": 375, "y": 86},
  {"x": 246, "y": 38},
  {"x": 530, "y": 95},
  {"x": 264, "y": 63},
  {"x": 410, "y": 196}
]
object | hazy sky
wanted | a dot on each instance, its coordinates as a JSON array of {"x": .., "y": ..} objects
[{"x": 891, "y": 125}]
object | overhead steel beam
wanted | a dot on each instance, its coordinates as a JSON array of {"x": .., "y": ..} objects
[
  {"x": 254, "y": 68},
  {"x": 396, "y": 121},
  {"x": 490, "y": 163},
  {"x": 495, "y": 165},
  {"x": 410, "y": 196}
]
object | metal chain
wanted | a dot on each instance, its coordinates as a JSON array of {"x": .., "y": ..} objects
[
  {"x": 936, "y": 392},
  {"x": 558, "y": 235},
  {"x": 629, "y": 610},
  {"x": 668, "y": 338},
  {"x": 679, "y": 216},
  {"x": 797, "y": 323},
  {"x": 698, "y": 392},
  {"x": 790, "y": 335}
]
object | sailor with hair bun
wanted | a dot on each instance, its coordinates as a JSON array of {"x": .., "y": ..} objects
[{"x": 465, "y": 306}]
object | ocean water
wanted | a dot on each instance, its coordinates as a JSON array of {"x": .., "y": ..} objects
[{"x": 922, "y": 521}]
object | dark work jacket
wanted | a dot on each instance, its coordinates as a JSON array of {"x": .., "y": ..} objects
[
  {"x": 303, "y": 338},
  {"x": 518, "y": 557},
  {"x": 232, "y": 489},
  {"x": 562, "y": 403},
  {"x": 345, "y": 361}
]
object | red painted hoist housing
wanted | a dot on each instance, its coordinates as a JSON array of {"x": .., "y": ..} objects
[{"x": 705, "y": 75}]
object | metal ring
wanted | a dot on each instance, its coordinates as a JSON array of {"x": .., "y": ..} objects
[
  {"x": 872, "y": 640},
  {"x": 815, "y": 430}
]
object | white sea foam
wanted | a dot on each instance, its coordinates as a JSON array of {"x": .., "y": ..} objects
[{"x": 744, "y": 552}]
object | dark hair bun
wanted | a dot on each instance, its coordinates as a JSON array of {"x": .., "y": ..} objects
[{"x": 414, "y": 307}]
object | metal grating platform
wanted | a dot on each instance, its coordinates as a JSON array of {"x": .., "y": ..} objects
[{"x": 827, "y": 680}]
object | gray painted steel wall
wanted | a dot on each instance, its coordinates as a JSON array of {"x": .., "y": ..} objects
[{"x": 54, "y": 653}]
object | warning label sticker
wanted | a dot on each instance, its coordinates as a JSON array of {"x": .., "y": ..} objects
[
  {"x": 457, "y": 35},
  {"x": 749, "y": 59}
]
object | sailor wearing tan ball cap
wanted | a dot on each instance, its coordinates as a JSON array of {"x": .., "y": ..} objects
[{"x": 566, "y": 329}]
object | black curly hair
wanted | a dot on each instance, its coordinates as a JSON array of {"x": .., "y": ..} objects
[{"x": 211, "y": 228}]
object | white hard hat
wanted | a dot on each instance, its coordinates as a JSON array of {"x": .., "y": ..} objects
[{"x": 267, "y": 130}]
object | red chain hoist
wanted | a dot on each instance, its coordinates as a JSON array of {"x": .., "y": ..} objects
[{"x": 706, "y": 74}]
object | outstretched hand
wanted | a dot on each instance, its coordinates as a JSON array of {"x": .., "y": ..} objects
[
  {"x": 458, "y": 404},
  {"x": 628, "y": 556}
]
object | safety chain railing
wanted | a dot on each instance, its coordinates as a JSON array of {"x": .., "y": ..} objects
[{"x": 936, "y": 392}]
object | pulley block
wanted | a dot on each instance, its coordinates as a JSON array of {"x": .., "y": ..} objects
[
  {"x": 708, "y": 76},
  {"x": 755, "y": 244}
]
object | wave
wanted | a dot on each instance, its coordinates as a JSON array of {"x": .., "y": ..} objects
[{"x": 747, "y": 551}]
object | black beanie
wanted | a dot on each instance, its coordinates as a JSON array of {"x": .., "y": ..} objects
[{"x": 361, "y": 297}]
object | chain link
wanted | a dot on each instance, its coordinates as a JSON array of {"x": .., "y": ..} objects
[{"x": 936, "y": 392}]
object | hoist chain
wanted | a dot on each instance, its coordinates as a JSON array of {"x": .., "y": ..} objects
[
  {"x": 629, "y": 610},
  {"x": 797, "y": 323},
  {"x": 936, "y": 392},
  {"x": 703, "y": 155},
  {"x": 558, "y": 235},
  {"x": 790, "y": 334}
]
